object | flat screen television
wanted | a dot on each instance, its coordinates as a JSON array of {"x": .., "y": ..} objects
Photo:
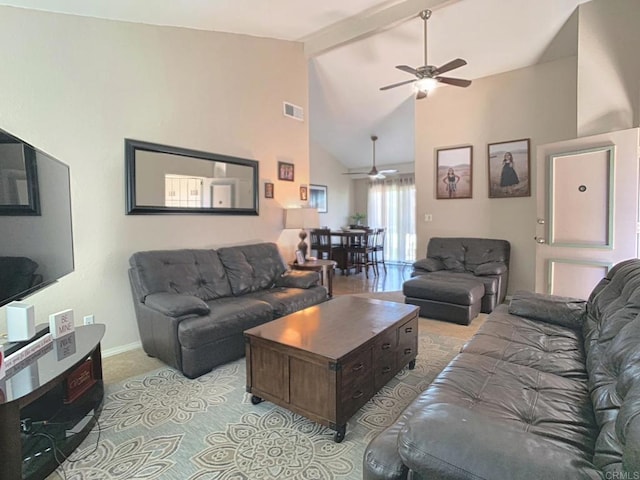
[{"x": 36, "y": 239}]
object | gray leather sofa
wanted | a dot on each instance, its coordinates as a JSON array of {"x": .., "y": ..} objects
[
  {"x": 548, "y": 388},
  {"x": 459, "y": 278},
  {"x": 193, "y": 305}
]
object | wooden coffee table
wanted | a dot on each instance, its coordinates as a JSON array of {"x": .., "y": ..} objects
[{"x": 325, "y": 362}]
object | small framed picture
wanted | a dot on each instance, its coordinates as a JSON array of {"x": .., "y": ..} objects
[
  {"x": 454, "y": 172},
  {"x": 286, "y": 171},
  {"x": 303, "y": 193},
  {"x": 509, "y": 169},
  {"x": 318, "y": 197},
  {"x": 268, "y": 190},
  {"x": 299, "y": 257}
]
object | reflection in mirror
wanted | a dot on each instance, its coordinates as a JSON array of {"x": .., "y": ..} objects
[
  {"x": 18, "y": 178},
  {"x": 164, "y": 179}
]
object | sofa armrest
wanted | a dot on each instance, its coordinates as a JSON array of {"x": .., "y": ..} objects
[
  {"x": 298, "y": 279},
  {"x": 429, "y": 265},
  {"x": 564, "y": 311},
  {"x": 176, "y": 305},
  {"x": 447, "y": 441},
  {"x": 490, "y": 268}
]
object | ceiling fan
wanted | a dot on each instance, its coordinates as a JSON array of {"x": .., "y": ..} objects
[
  {"x": 428, "y": 76},
  {"x": 374, "y": 172}
]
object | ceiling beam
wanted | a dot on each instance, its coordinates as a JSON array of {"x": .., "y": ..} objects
[{"x": 365, "y": 24}]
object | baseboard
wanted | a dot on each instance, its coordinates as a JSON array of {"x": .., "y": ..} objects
[{"x": 121, "y": 349}]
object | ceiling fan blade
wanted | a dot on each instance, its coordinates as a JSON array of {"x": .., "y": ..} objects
[
  {"x": 458, "y": 82},
  {"x": 393, "y": 85},
  {"x": 408, "y": 69},
  {"x": 447, "y": 67},
  {"x": 420, "y": 95},
  {"x": 387, "y": 172}
]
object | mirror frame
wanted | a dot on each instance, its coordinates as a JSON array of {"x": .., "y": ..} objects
[
  {"x": 31, "y": 172},
  {"x": 132, "y": 146}
]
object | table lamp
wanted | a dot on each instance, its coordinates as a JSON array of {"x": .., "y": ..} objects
[{"x": 302, "y": 218}]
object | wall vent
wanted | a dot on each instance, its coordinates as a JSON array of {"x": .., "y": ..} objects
[{"x": 293, "y": 111}]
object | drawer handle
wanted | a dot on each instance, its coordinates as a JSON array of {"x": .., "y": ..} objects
[
  {"x": 358, "y": 394},
  {"x": 386, "y": 369},
  {"x": 408, "y": 330},
  {"x": 358, "y": 367},
  {"x": 407, "y": 351},
  {"x": 386, "y": 346}
]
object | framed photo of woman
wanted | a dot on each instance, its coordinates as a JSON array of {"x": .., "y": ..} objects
[
  {"x": 509, "y": 169},
  {"x": 454, "y": 172}
]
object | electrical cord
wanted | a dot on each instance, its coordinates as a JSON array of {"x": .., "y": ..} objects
[{"x": 54, "y": 448}]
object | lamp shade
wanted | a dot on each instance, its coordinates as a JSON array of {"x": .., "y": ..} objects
[{"x": 301, "y": 218}]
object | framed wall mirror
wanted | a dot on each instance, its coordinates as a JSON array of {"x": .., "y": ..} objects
[
  {"x": 19, "y": 194},
  {"x": 161, "y": 179}
]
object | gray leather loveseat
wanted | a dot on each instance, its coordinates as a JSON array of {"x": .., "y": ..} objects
[
  {"x": 548, "y": 388},
  {"x": 193, "y": 305},
  {"x": 459, "y": 278}
]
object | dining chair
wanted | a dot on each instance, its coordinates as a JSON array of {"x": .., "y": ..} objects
[
  {"x": 321, "y": 243},
  {"x": 361, "y": 252},
  {"x": 379, "y": 248}
]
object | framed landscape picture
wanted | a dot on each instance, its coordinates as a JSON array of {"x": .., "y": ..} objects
[
  {"x": 454, "y": 172},
  {"x": 509, "y": 169},
  {"x": 318, "y": 197}
]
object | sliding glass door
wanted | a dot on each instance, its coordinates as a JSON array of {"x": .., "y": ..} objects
[{"x": 392, "y": 205}]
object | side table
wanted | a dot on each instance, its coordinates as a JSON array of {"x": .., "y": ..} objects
[{"x": 325, "y": 267}]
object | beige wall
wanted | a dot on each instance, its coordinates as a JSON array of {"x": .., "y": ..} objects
[
  {"x": 327, "y": 170},
  {"x": 537, "y": 102},
  {"x": 76, "y": 87},
  {"x": 608, "y": 66}
]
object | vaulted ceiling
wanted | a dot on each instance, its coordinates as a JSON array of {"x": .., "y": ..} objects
[{"x": 354, "y": 45}]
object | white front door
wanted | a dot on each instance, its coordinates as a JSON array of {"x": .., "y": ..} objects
[{"x": 587, "y": 209}]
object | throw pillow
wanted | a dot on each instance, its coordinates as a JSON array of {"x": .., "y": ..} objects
[
  {"x": 429, "y": 264},
  {"x": 490, "y": 268}
]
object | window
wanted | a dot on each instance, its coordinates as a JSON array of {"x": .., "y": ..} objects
[{"x": 392, "y": 205}]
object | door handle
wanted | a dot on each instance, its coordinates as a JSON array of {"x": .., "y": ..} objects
[{"x": 540, "y": 240}]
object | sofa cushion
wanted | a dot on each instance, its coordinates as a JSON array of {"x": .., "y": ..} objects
[
  {"x": 288, "y": 300},
  {"x": 252, "y": 267},
  {"x": 563, "y": 311},
  {"x": 176, "y": 304},
  {"x": 465, "y": 291},
  {"x": 490, "y": 268},
  {"x": 524, "y": 398},
  {"x": 429, "y": 264},
  {"x": 228, "y": 317},
  {"x": 544, "y": 346},
  {"x": 615, "y": 392},
  {"x": 491, "y": 284},
  {"x": 467, "y": 253},
  {"x": 190, "y": 272}
]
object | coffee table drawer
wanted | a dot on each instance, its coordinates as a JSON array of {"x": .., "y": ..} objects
[
  {"x": 407, "y": 342},
  {"x": 357, "y": 369}
]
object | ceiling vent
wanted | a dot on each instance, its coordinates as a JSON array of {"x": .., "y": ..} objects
[{"x": 293, "y": 111}]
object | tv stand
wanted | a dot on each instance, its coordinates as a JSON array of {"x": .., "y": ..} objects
[{"x": 58, "y": 394}]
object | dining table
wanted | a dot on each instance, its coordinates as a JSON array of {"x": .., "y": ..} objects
[{"x": 340, "y": 249}]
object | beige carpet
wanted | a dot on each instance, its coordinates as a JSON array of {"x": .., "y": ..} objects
[{"x": 163, "y": 426}]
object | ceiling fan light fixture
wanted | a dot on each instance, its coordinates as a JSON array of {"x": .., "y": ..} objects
[{"x": 425, "y": 84}]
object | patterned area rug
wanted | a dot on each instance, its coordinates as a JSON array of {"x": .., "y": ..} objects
[{"x": 164, "y": 426}]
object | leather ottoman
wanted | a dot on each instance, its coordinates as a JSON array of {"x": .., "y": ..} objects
[{"x": 458, "y": 301}]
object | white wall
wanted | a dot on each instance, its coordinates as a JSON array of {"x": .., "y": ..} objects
[
  {"x": 75, "y": 87},
  {"x": 537, "y": 102},
  {"x": 327, "y": 170},
  {"x": 608, "y": 66}
]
